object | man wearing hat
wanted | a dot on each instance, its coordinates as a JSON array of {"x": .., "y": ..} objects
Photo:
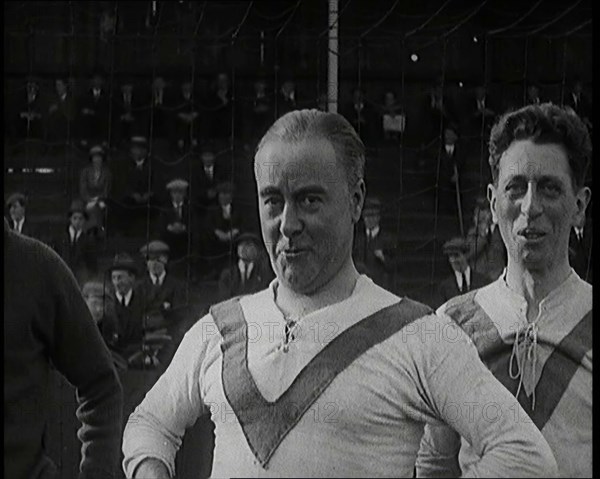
[
  {"x": 94, "y": 112},
  {"x": 222, "y": 226},
  {"x": 129, "y": 305},
  {"x": 60, "y": 121},
  {"x": 16, "y": 204},
  {"x": 249, "y": 273},
  {"x": 373, "y": 247},
  {"x": 210, "y": 174},
  {"x": 30, "y": 110},
  {"x": 175, "y": 224},
  {"x": 463, "y": 278},
  {"x": 186, "y": 118},
  {"x": 126, "y": 115},
  {"x": 139, "y": 188},
  {"x": 76, "y": 244}
]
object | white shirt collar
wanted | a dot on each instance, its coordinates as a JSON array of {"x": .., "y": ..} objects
[
  {"x": 449, "y": 149},
  {"x": 467, "y": 274},
  {"x": 127, "y": 297},
  {"x": 74, "y": 233},
  {"x": 226, "y": 209},
  {"x": 161, "y": 278},
  {"x": 374, "y": 231},
  {"x": 245, "y": 268},
  {"x": 19, "y": 224}
]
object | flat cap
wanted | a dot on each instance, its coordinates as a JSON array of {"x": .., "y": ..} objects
[
  {"x": 97, "y": 150},
  {"x": 77, "y": 206},
  {"x": 16, "y": 197},
  {"x": 154, "y": 248},
  {"x": 177, "y": 184},
  {"x": 455, "y": 245},
  {"x": 372, "y": 205},
  {"x": 139, "y": 140}
]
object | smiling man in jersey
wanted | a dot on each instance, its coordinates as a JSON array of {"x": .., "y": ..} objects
[
  {"x": 323, "y": 373},
  {"x": 533, "y": 325}
]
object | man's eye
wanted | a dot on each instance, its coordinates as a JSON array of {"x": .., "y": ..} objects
[
  {"x": 310, "y": 201},
  {"x": 515, "y": 188},
  {"x": 551, "y": 189},
  {"x": 272, "y": 201}
]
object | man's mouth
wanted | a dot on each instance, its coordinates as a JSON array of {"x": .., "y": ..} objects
[{"x": 532, "y": 234}]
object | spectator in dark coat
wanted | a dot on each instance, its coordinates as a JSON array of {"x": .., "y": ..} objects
[
  {"x": 186, "y": 119},
  {"x": 159, "y": 116},
  {"x": 77, "y": 246},
  {"x": 60, "y": 121},
  {"x": 373, "y": 247},
  {"x": 262, "y": 111},
  {"x": 95, "y": 106},
  {"x": 580, "y": 250},
  {"x": 128, "y": 114},
  {"x": 463, "y": 279},
  {"x": 250, "y": 273},
  {"x": 579, "y": 101},
  {"x": 210, "y": 174},
  {"x": 176, "y": 222},
  {"x": 129, "y": 305},
  {"x": 361, "y": 116},
  {"x": 286, "y": 98},
  {"x": 220, "y": 106},
  {"x": 31, "y": 112},
  {"x": 47, "y": 326},
  {"x": 482, "y": 115},
  {"x": 17, "y": 220},
  {"x": 392, "y": 117}
]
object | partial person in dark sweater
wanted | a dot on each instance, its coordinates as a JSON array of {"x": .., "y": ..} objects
[{"x": 47, "y": 322}]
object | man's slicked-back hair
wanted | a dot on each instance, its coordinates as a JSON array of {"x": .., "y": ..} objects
[
  {"x": 543, "y": 124},
  {"x": 300, "y": 125}
]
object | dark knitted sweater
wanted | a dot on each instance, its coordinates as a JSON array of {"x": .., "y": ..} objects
[{"x": 47, "y": 324}]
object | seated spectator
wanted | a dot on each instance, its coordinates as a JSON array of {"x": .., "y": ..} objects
[
  {"x": 450, "y": 169},
  {"x": 219, "y": 102},
  {"x": 533, "y": 94},
  {"x": 360, "y": 115},
  {"x": 286, "y": 98},
  {"x": 76, "y": 244},
  {"x": 158, "y": 117},
  {"x": 211, "y": 174},
  {"x": 138, "y": 192},
  {"x": 262, "y": 112},
  {"x": 164, "y": 298},
  {"x": 441, "y": 114},
  {"x": 128, "y": 116},
  {"x": 373, "y": 247},
  {"x": 463, "y": 279},
  {"x": 102, "y": 309},
  {"x": 31, "y": 112},
  {"x": 580, "y": 103},
  {"x": 95, "y": 182},
  {"x": 175, "y": 221},
  {"x": 186, "y": 119},
  {"x": 250, "y": 274},
  {"x": 487, "y": 253},
  {"x": 222, "y": 225},
  {"x": 17, "y": 206},
  {"x": 60, "y": 121},
  {"x": 129, "y": 305},
  {"x": 580, "y": 249},
  {"x": 393, "y": 119},
  {"x": 483, "y": 115},
  {"x": 94, "y": 113}
]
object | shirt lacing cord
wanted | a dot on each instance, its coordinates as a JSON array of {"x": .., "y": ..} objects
[{"x": 524, "y": 356}]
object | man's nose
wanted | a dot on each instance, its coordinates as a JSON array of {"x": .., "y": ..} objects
[
  {"x": 291, "y": 223},
  {"x": 531, "y": 205}
]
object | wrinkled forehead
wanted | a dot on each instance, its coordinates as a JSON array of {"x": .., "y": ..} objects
[
  {"x": 313, "y": 160},
  {"x": 524, "y": 158}
]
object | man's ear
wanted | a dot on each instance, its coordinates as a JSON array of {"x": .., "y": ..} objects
[
  {"x": 583, "y": 197},
  {"x": 359, "y": 193},
  {"x": 491, "y": 196}
]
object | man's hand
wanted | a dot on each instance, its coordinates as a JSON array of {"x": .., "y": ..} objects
[{"x": 151, "y": 469}]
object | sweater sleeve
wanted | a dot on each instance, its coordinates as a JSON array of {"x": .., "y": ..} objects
[
  {"x": 464, "y": 394},
  {"x": 156, "y": 427},
  {"x": 79, "y": 353}
]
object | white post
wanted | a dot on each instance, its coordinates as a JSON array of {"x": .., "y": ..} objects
[{"x": 332, "y": 77}]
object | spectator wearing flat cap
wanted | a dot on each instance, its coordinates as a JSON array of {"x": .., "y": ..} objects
[
  {"x": 94, "y": 112},
  {"x": 186, "y": 118},
  {"x": 29, "y": 123},
  {"x": 139, "y": 191},
  {"x": 222, "y": 225},
  {"x": 209, "y": 174},
  {"x": 162, "y": 292},
  {"x": 250, "y": 272},
  {"x": 16, "y": 204},
  {"x": 373, "y": 247},
  {"x": 129, "y": 305},
  {"x": 76, "y": 244},
  {"x": 463, "y": 278},
  {"x": 176, "y": 221},
  {"x": 102, "y": 308},
  {"x": 127, "y": 113},
  {"x": 95, "y": 182}
]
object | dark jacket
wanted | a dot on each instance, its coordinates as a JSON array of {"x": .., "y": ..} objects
[
  {"x": 231, "y": 284},
  {"x": 47, "y": 324},
  {"x": 364, "y": 255},
  {"x": 580, "y": 253},
  {"x": 171, "y": 291},
  {"x": 448, "y": 288},
  {"x": 81, "y": 256},
  {"x": 130, "y": 328},
  {"x": 94, "y": 126}
]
